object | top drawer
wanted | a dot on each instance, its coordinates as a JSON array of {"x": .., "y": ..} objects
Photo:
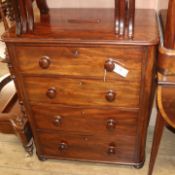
[{"x": 88, "y": 62}]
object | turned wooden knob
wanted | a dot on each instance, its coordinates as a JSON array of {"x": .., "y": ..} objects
[
  {"x": 110, "y": 95},
  {"x": 109, "y": 65},
  {"x": 51, "y": 92},
  {"x": 44, "y": 62},
  {"x": 111, "y": 124},
  {"x": 57, "y": 121},
  {"x": 111, "y": 149},
  {"x": 63, "y": 146}
]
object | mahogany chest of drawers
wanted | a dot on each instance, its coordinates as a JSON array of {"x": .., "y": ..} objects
[{"x": 79, "y": 106}]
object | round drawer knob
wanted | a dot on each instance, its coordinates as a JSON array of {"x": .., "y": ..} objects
[
  {"x": 63, "y": 146},
  {"x": 51, "y": 92},
  {"x": 111, "y": 124},
  {"x": 111, "y": 149},
  {"x": 57, "y": 121},
  {"x": 109, "y": 65},
  {"x": 110, "y": 95},
  {"x": 44, "y": 62}
]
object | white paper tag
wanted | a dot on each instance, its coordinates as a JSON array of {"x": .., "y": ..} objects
[{"x": 121, "y": 70}]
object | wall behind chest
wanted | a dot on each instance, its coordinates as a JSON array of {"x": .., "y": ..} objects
[{"x": 98, "y": 3}]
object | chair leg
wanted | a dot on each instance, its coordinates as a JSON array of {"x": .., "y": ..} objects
[
  {"x": 42, "y": 5},
  {"x": 160, "y": 123},
  {"x": 23, "y": 131}
]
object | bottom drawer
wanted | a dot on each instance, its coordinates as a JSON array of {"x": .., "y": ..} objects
[{"x": 87, "y": 147}]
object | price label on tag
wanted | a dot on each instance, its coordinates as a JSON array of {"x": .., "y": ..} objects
[{"x": 121, "y": 70}]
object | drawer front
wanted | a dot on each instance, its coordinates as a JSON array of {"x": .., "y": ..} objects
[
  {"x": 68, "y": 91},
  {"x": 79, "y": 61},
  {"x": 88, "y": 147},
  {"x": 85, "y": 120}
]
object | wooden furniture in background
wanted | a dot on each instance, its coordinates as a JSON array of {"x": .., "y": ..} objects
[
  {"x": 87, "y": 92},
  {"x": 124, "y": 16},
  {"x": 13, "y": 119},
  {"x": 169, "y": 39},
  {"x": 166, "y": 80}
]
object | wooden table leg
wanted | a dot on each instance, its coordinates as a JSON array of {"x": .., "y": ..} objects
[
  {"x": 17, "y": 17},
  {"x": 117, "y": 18},
  {"x": 122, "y": 22},
  {"x": 42, "y": 5},
  {"x": 29, "y": 9},
  {"x": 23, "y": 15},
  {"x": 131, "y": 16},
  {"x": 160, "y": 123}
]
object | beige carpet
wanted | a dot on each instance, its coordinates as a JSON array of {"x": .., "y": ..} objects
[
  {"x": 3, "y": 67},
  {"x": 13, "y": 161}
]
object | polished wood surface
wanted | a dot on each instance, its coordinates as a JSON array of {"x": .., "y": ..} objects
[
  {"x": 86, "y": 120},
  {"x": 81, "y": 146},
  {"x": 63, "y": 70},
  {"x": 70, "y": 91},
  {"x": 165, "y": 116},
  {"x": 168, "y": 25},
  {"x": 74, "y": 26},
  {"x": 166, "y": 103},
  {"x": 169, "y": 41},
  {"x": 77, "y": 61},
  {"x": 166, "y": 61},
  {"x": 24, "y": 15},
  {"x": 166, "y": 80}
]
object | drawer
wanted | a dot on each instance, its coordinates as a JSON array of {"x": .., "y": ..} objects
[
  {"x": 85, "y": 120},
  {"x": 69, "y": 91},
  {"x": 87, "y": 147},
  {"x": 79, "y": 61}
]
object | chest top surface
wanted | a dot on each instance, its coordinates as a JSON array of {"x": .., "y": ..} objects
[{"x": 87, "y": 26}]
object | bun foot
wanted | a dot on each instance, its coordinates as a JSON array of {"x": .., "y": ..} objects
[
  {"x": 139, "y": 165},
  {"x": 42, "y": 158}
]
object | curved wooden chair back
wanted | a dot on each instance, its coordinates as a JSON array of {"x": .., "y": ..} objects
[
  {"x": 8, "y": 99},
  {"x": 166, "y": 81}
]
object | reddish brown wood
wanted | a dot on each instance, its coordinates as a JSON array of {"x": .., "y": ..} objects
[
  {"x": 169, "y": 41},
  {"x": 131, "y": 18},
  {"x": 166, "y": 80},
  {"x": 81, "y": 146},
  {"x": 88, "y": 120},
  {"x": 117, "y": 17},
  {"x": 123, "y": 23},
  {"x": 42, "y": 5},
  {"x": 30, "y": 15},
  {"x": 99, "y": 33},
  {"x": 166, "y": 61},
  {"x": 65, "y": 97},
  {"x": 122, "y": 17},
  {"x": 166, "y": 112},
  {"x": 54, "y": 58},
  {"x": 82, "y": 92},
  {"x": 23, "y": 12},
  {"x": 17, "y": 17},
  {"x": 160, "y": 123},
  {"x": 12, "y": 119}
]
